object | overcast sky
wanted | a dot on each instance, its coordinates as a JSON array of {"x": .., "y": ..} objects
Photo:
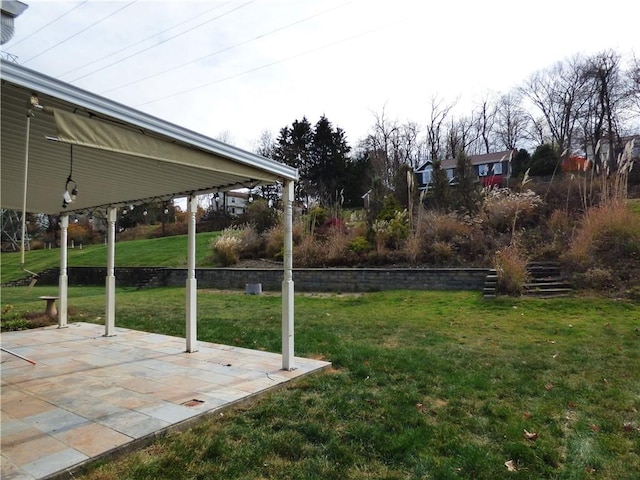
[{"x": 234, "y": 69}]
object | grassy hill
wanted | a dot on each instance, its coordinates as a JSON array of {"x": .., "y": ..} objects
[{"x": 156, "y": 252}]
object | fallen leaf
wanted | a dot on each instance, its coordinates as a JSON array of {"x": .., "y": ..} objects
[
  {"x": 526, "y": 415},
  {"x": 572, "y": 405},
  {"x": 548, "y": 386},
  {"x": 627, "y": 427},
  {"x": 419, "y": 406},
  {"x": 594, "y": 428},
  {"x": 530, "y": 435},
  {"x": 511, "y": 467}
]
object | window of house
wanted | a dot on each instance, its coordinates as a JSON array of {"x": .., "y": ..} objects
[
  {"x": 449, "y": 174},
  {"x": 497, "y": 168},
  {"x": 483, "y": 170},
  {"x": 426, "y": 176},
  {"x": 233, "y": 200}
]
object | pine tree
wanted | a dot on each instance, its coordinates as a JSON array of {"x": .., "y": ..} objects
[
  {"x": 293, "y": 148},
  {"x": 440, "y": 190},
  {"x": 328, "y": 162},
  {"x": 467, "y": 189}
]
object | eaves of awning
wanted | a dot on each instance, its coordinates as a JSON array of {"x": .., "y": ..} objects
[{"x": 116, "y": 154}]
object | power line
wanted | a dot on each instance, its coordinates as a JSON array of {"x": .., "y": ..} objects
[
  {"x": 226, "y": 49},
  {"x": 81, "y": 31},
  {"x": 48, "y": 24},
  {"x": 267, "y": 65},
  {"x": 143, "y": 40},
  {"x": 160, "y": 43}
]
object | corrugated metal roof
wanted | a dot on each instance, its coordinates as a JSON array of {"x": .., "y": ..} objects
[{"x": 105, "y": 178}]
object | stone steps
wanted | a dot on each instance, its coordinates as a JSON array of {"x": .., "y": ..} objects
[{"x": 546, "y": 281}]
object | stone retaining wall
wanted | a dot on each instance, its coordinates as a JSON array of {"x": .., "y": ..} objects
[{"x": 306, "y": 279}]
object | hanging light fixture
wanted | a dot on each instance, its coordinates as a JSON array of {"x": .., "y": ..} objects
[{"x": 70, "y": 197}]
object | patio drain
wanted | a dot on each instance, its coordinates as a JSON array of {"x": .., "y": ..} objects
[{"x": 193, "y": 403}]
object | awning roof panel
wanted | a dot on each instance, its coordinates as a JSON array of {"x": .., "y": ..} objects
[{"x": 120, "y": 155}]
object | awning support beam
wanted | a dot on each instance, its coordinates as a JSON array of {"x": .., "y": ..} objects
[
  {"x": 287, "y": 282},
  {"x": 63, "y": 281},
  {"x": 110, "y": 282},
  {"x": 192, "y": 283}
]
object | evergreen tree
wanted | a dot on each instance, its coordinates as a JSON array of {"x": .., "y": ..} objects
[
  {"x": 440, "y": 198},
  {"x": 544, "y": 160},
  {"x": 293, "y": 148},
  {"x": 520, "y": 162},
  {"x": 357, "y": 180},
  {"x": 467, "y": 189},
  {"x": 327, "y": 167}
]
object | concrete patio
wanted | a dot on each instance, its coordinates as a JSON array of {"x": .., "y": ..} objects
[{"x": 89, "y": 396}]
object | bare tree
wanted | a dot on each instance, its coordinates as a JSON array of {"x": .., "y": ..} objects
[
  {"x": 461, "y": 135},
  {"x": 633, "y": 85},
  {"x": 485, "y": 122},
  {"x": 511, "y": 121},
  {"x": 266, "y": 144},
  {"x": 411, "y": 144},
  {"x": 605, "y": 102},
  {"x": 559, "y": 95},
  {"x": 392, "y": 145},
  {"x": 435, "y": 128},
  {"x": 380, "y": 143}
]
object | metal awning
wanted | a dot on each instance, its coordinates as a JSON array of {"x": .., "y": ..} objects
[
  {"x": 169, "y": 162},
  {"x": 54, "y": 134}
]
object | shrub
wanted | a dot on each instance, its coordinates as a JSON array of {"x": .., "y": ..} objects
[
  {"x": 608, "y": 235},
  {"x": 260, "y": 215},
  {"x": 336, "y": 247},
  {"x": 79, "y": 234},
  {"x": 503, "y": 209},
  {"x": 171, "y": 229},
  {"x": 597, "y": 279},
  {"x": 226, "y": 247},
  {"x": 442, "y": 252},
  {"x": 381, "y": 234},
  {"x": 317, "y": 217},
  {"x": 274, "y": 242},
  {"x": 359, "y": 244},
  {"x": 413, "y": 248},
  {"x": 511, "y": 270},
  {"x": 446, "y": 227},
  {"x": 399, "y": 227},
  {"x": 308, "y": 252},
  {"x": 251, "y": 242}
]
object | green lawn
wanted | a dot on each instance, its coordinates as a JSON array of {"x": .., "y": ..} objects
[
  {"x": 437, "y": 385},
  {"x": 156, "y": 252}
]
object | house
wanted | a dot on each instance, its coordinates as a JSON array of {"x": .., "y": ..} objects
[
  {"x": 491, "y": 169},
  {"x": 576, "y": 164},
  {"x": 236, "y": 202}
]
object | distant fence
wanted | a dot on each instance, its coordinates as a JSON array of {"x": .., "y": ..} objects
[{"x": 306, "y": 279}]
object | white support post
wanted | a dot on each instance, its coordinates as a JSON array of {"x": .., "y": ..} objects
[
  {"x": 287, "y": 282},
  {"x": 110, "y": 314},
  {"x": 63, "y": 282},
  {"x": 192, "y": 283}
]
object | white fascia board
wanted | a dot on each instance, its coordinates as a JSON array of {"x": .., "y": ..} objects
[{"x": 44, "y": 84}]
